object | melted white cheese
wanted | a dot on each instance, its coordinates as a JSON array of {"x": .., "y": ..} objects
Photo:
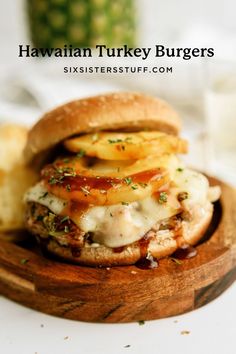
[
  {"x": 119, "y": 225},
  {"x": 39, "y": 194},
  {"x": 194, "y": 183}
]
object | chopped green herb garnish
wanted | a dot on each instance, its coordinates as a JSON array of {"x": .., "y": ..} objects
[
  {"x": 44, "y": 195},
  {"x": 55, "y": 180},
  {"x": 81, "y": 153},
  {"x": 58, "y": 169},
  {"x": 52, "y": 180},
  {"x": 124, "y": 203},
  {"x": 49, "y": 222},
  {"x": 65, "y": 169},
  {"x": 24, "y": 261},
  {"x": 61, "y": 174},
  {"x": 65, "y": 218},
  {"x": 179, "y": 169},
  {"x": 144, "y": 185},
  {"x": 128, "y": 180},
  {"x": 39, "y": 217},
  {"x": 114, "y": 141},
  {"x": 141, "y": 322},
  {"x": 128, "y": 138},
  {"x": 175, "y": 260},
  {"x": 68, "y": 187},
  {"x": 69, "y": 172},
  {"x": 85, "y": 190},
  {"x": 162, "y": 198},
  {"x": 134, "y": 186},
  {"x": 66, "y": 229},
  {"x": 66, "y": 160}
]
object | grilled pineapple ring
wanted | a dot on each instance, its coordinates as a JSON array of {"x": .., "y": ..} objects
[
  {"x": 107, "y": 190},
  {"x": 126, "y": 146},
  {"x": 108, "y": 182},
  {"x": 85, "y": 166}
]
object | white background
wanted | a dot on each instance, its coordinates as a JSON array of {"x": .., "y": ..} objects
[
  {"x": 213, "y": 327},
  {"x": 160, "y": 21}
]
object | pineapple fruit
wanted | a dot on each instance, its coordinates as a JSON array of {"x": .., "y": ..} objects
[{"x": 81, "y": 23}]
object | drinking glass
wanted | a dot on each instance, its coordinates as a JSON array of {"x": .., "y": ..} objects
[{"x": 220, "y": 113}]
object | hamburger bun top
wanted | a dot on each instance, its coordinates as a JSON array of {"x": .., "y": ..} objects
[{"x": 116, "y": 111}]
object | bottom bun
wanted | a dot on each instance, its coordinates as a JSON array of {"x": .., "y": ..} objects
[{"x": 159, "y": 243}]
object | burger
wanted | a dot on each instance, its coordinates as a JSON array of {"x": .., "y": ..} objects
[{"x": 112, "y": 189}]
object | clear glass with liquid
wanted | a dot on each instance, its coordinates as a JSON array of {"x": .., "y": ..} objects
[{"x": 220, "y": 112}]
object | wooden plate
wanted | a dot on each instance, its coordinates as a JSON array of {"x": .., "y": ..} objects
[{"x": 127, "y": 293}]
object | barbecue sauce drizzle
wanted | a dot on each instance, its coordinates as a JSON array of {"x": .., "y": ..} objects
[
  {"x": 55, "y": 175},
  {"x": 184, "y": 251}
]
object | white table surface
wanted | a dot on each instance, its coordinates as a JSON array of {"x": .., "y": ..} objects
[{"x": 212, "y": 330}]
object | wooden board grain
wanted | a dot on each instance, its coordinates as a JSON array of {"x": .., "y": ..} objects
[{"x": 127, "y": 293}]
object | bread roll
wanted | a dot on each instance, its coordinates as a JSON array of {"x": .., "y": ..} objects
[{"x": 15, "y": 178}]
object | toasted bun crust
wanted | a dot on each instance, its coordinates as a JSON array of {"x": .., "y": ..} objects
[
  {"x": 163, "y": 244},
  {"x": 126, "y": 111}
]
